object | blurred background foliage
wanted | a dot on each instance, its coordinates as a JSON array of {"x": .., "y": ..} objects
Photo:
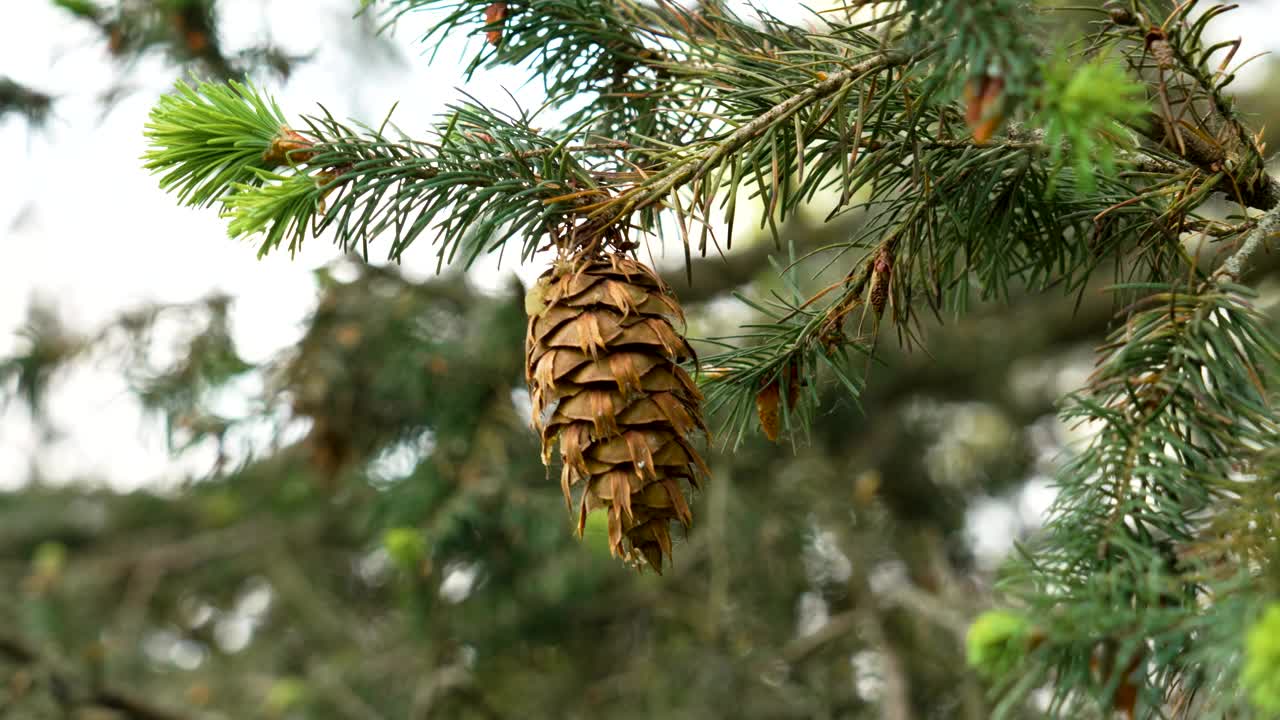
[{"x": 393, "y": 548}]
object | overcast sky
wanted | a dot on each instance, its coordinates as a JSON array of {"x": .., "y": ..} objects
[{"x": 85, "y": 226}]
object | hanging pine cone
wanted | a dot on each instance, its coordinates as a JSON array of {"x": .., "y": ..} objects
[{"x": 602, "y": 362}]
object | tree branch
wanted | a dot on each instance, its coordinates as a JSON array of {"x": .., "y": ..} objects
[
  {"x": 1241, "y": 259},
  {"x": 1260, "y": 193},
  {"x": 698, "y": 166}
]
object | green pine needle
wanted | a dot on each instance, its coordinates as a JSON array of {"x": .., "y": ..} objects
[
  {"x": 278, "y": 205},
  {"x": 208, "y": 138}
]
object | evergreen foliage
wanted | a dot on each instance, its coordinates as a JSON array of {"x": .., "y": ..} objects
[
  {"x": 990, "y": 155},
  {"x": 686, "y": 112}
]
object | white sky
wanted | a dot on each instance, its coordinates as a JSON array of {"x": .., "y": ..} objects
[{"x": 82, "y": 224}]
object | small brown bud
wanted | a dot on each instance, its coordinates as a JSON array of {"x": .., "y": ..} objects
[
  {"x": 495, "y": 13},
  {"x": 881, "y": 275},
  {"x": 984, "y": 106},
  {"x": 769, "y": 401},
  {"x": 1161, "y": 50}
]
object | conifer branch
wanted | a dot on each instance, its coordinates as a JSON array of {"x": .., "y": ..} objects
[
  {"x": 1195, "y": 122},
  {"x": 700, "y": 166},
  {"x": 489, "y": 178},
  {"x": 686, "y": 110},
  {"x": 1235, "y": 266},
  {"x": 1182, "y": 400}
]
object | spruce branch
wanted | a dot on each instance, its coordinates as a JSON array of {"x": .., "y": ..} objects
[
  {"x": 591, "y": 36},
  {"x": 1196, "y": 121},
  {"x": 492, "y": 173},
  {"x": 1183, "y": 403},
  {"x": 495, "y": 157},
  {"x": 763, "y": 374},
  {"x": 758, "y": 148},
  {"x": 1182, "y": 399},
  {"x": 700, "y": 165},
  {"x": 782, "y": 112},
  {"x": 485, "y": 178},
  {"x": 1235, "y": 266}
]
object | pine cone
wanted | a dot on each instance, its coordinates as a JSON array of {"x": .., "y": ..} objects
[{"x": 602, "y": 362}]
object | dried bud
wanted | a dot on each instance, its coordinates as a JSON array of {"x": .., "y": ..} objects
[
  {"x": 494, "y": 14},
  {"x": 1103, "y": 662},
  {"x": 769, "y": 401},
  {"x": 881, "y": 275},
  {"x": 984, "y": 106},
  {"x": 1159, "y": 47}
]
